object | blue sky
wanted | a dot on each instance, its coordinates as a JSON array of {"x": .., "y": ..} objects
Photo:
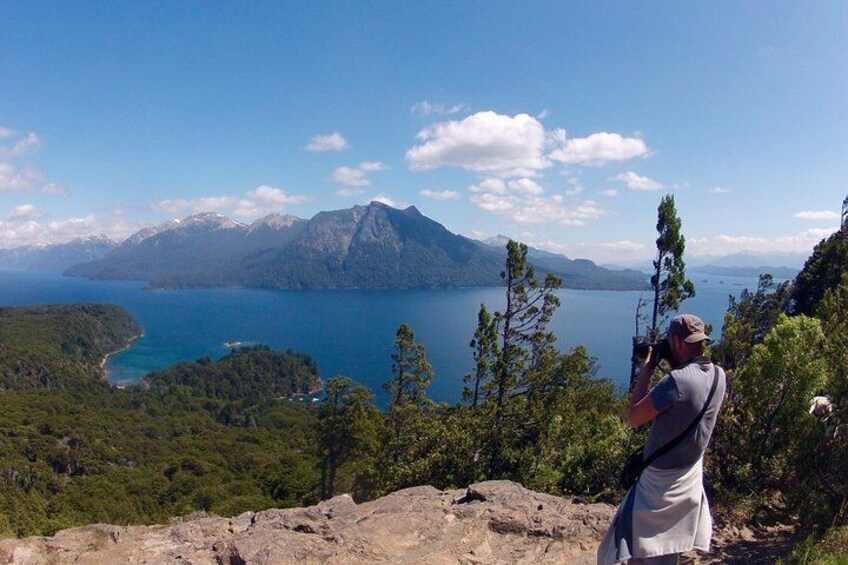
[{"x": 561, "y": 124}]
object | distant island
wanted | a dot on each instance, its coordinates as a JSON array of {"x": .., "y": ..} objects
[{"x": 374, "y": 246}]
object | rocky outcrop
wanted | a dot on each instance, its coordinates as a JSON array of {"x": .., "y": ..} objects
[{"x": 490, "y": 522}]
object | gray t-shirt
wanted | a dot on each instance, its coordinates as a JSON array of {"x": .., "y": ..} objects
[{"x": 678, "y": 398}]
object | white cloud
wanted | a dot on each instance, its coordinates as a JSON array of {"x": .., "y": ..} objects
[
  {"x": 29, "y": 144},
  {"x": 817, "y": 215},
  {"x": 14, "y": 178},
  {"x": 596, "y": 149},
  {"x": 610, "y": 192},
  {"x": 521, "y": 200},
  {"x": 638, "y": 182},
  {"x": 543, "y": 114},
  {"x": 498, "y": 186},
  {"x": 533, "y": 209},
  {"x": 55, "y": 188},
  {"x": 576, "y": 187},
  {"x": 719, "y": 190},
  {"x": 330, "y": 142},
  {"x": 440, "y": 194},
  {"x": 625, "y": 245},
  {"x": 494, "y": 203},
  {"x": 24, "y": 212},
  {"x": 604, "y": 252},
  {"x": 485, "y": 142},
  {"x": 505, "y": 146},
  {"x": 357, "y": 176},
  {"x": 492, "y": 186},
  {"x": 524, "y": 186},
  {"x": 259, "y": 201},
  {"x": 426, "y": 108},
  {"x": 371, "y": 166},
  {"x": 32, "y": 232},
  {"x": 16, "y": 174},
  {"x": 274, "y": 196},
  {"x": 350, "y": 177},
  {"x": 726, "y": 244},
  {"x": 383, "y": 199},
  {"x": 346, "y": 192}
]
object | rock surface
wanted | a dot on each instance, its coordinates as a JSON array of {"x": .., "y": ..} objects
[{"x": 492, "y": 522}]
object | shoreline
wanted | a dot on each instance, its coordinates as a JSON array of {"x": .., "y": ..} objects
[{"x": 104, "y": 372}]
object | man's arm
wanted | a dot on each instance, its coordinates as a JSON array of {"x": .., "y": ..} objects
[{"x": 642, "y": 408}]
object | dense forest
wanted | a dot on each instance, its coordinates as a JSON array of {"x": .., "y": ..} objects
[
  {"x": 225, "y": 436},
  {"x": 74, "y": 450}
]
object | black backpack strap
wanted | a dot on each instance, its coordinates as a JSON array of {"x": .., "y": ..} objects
[{"x": 680, "y": 437}]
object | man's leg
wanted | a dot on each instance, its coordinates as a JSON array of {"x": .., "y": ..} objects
[{"x": 670, "y": 559}]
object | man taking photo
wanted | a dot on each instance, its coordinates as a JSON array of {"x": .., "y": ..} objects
[{"x": 666, "y": 511}]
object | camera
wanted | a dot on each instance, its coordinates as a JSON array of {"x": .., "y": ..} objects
[{"x": 662, "y": 349}]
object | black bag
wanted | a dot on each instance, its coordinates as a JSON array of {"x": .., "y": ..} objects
[
  {"x": 633, "y": 467},
  {"x": 636, "y": 463}
]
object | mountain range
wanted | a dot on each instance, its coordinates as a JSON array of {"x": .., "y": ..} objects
[
  {"x": 373, "y": 246},
  {"x": 57, "y": 257},
  {"x": 781, "y": 265}
]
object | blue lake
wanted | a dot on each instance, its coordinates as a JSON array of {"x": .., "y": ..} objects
[{"x": 349, "y": 332}]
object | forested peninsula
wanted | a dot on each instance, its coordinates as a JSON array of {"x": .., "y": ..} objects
[{"x": 220, "y": 436}]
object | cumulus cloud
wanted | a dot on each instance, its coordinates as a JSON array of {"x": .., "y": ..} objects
[
  {"x": 610, "y": 192},
  {"x": 259, "y": 201},
  {"x": 522, "y": 200},
  {"x": 23, "y": 231},
  {"x": 275, "y": 196},
  {"x": 635, "y": 181},
  {"x": 505, "y": 146},
  {"x": 350, "y": 176},
  {"x": 55, "y": 188},
  {"x": 492, "y": 186},
  {"x": 498, "y": 186},
  {"x": 347, "y": 192},
  {"x": 719, "y": 190},
  {"x": 726, "y": 244},
  {"x": 383, "y": 199},
  {"x": 14, "y": 178},
  {"x": 817, "y": 215},
  {"x": 16, "y": 173},
  {"x": 25, "y": 212},
  {"x": 371, "y": 166},
  {"x": 531, "y": 209},
  {"x": 425, "y": 108},
  {"x": 329, "y": 142},
  {"x": 576, "y": 187},
  {"x": 485, "y": 142},
  {"x": 440, "y": 194},
  {"x": 28, "y": 144},
  {"x": 357, "y": 176},
  {"x": 596, "y": 149},
  {"x": 604, "y": 252}
]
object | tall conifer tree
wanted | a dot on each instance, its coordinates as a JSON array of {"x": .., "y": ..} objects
[{"x": 669, "y": 280}]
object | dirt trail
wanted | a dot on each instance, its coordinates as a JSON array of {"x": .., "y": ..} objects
[{"x": 750, "y": 546}]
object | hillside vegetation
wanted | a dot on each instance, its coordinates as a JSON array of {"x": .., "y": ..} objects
[
  {"x": 73, "y": 450},
  {"x": 220, "y": 435}
]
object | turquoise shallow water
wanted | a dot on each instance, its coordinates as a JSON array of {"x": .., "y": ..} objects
[{"x": 351, "y": 331}]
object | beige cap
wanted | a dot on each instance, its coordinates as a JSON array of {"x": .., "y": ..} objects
[{"x": 689, "y": 327}]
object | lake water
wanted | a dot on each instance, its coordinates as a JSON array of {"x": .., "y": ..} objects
[{"x": 349, "y": 332}]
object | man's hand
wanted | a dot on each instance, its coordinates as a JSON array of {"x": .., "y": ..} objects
[{"x": 642, "y": 408}]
